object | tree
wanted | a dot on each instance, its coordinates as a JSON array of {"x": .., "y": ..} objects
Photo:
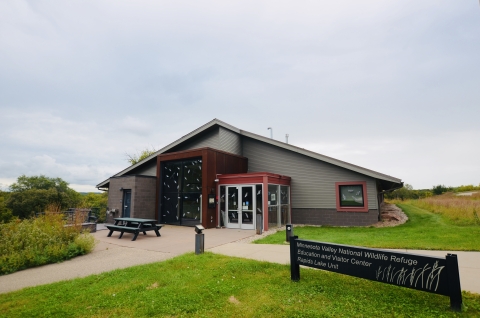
[
  {"x": 34, "y": 194},
  {"x": 403, "y": 193},
  {"x": 439, "y": 189},
  {"x": 407, "y": 192},
  {"x": 96, "y": 200},
  {"x": 5, "y": 214},
  {"x": 38, "y": 182},
  {"x": 135, "y": 158}
]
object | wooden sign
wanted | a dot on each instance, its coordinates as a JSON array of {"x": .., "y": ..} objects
[{"x": 426, "y": 273}]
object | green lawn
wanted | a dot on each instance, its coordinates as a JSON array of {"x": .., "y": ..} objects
[
  {"x": 423, "y": 230},
  {"x": 212, "y": 285}
]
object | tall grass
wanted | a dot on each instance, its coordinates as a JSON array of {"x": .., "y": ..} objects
[
  {"x": 39, "y": 241},
  {"x": 460, "y": 210}
]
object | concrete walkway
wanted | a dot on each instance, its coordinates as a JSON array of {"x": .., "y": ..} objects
[{"x": 112, "y": 253}]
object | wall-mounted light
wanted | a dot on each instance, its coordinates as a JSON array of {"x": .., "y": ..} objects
[
  {"x": 121, "y": 189},
  {"x": 216, "y": 180}
]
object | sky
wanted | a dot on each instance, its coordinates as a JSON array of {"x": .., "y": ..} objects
[{"x": 392, "y": 86}]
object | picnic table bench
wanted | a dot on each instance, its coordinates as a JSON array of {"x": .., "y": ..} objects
[{"x": 135, "y": 226}]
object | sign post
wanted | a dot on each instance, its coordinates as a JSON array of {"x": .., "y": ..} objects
[
  {"x": 454, "y": 282},
  {"x": 431, "y": 274},
  {"x": 294, "y": 266}
]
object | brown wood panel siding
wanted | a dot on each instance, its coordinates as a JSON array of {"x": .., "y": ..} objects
[
  {"x": 220, "y": 163},
  {"x": 229, "y": 141},
  {"x": 209, "y": 215},
  {"x": 313, "y": 181}
]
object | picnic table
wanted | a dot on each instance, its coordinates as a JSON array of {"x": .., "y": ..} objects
[{"x": 134, "y": 225}]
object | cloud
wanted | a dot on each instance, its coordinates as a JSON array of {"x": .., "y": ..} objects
[
  {"x": 135, "y": 126},
  {"x": 447, "y": 158},
  {"x": 373, "y": 83}
]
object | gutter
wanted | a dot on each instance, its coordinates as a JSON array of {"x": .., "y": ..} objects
[{"x": 392, "y": 189}]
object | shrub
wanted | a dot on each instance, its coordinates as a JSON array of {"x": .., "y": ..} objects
[
  {"x": 5, "y": 214},
  {"x": 39, "y": 241}
]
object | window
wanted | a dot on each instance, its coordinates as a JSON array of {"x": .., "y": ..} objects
[{"x": 351, "y": 196}]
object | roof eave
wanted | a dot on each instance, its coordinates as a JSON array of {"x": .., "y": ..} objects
[
  {"x": 343, "y": 164},
  {"x": 179, "y": 141}
]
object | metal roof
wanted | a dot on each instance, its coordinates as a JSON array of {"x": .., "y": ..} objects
[{"x": 270, "y": 141}]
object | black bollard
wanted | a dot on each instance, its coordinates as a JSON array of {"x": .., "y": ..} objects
[
  {"x": 199, "y": 240},
  {"x": 289, "y": 231}
]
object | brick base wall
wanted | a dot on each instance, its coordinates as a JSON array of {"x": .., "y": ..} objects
[
  {"x": 142, "y": 200},
  {"x": 334, "y": 218},
  {"x": 143, "y": 197}
]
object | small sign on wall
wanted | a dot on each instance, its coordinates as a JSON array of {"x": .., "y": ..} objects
[{"x": 211, "y": 201}]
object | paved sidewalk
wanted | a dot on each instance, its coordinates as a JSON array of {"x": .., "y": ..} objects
[{"x": 112, "y": 253}]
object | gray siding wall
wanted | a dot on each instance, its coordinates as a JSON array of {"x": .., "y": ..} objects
[
  {"x": 313, "y": 181},
  {"x": 207, "y": 139},
  {"x": 218, "y": 138},
  {"x": 230, "y": 141},
  {"x": 146, "y": 169}
]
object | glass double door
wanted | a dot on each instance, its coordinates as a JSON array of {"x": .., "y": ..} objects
[{"x": 240, "y": 204}]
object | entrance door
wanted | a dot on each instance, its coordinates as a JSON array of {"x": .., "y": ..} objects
[
  {"x": 240, "y": 207},
  {"x": 127, "y": 199}
]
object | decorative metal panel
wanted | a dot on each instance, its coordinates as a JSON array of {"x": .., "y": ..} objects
[{"x": 181, "y": 192}]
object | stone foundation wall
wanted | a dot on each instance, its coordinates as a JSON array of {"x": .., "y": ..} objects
[{"x": 91, "y": 227}]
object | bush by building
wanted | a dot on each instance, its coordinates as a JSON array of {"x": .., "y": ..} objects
[{"x": 39, "y": 241}]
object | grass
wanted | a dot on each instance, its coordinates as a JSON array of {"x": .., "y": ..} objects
[
  {"x": 423, "y": 230},
  {"x": 212, "y": 285},
  {"x": 460, "y": 210}
]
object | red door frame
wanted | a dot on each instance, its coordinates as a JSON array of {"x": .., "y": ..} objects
[{"x": 263, "y": 178}]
